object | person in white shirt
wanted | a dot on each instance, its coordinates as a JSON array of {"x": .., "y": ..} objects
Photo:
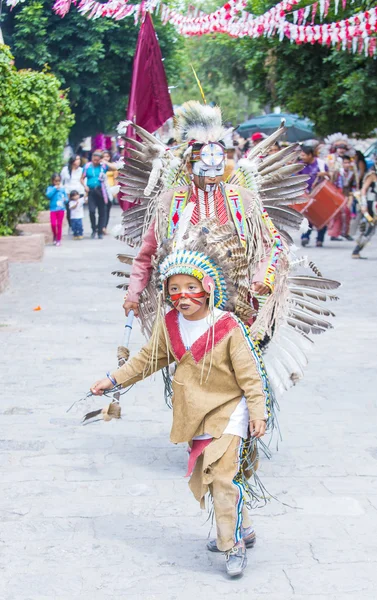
[
  {"x": 76, "y": 208},
  {"x": 71, "y": 180},
  {"x": 71, "y": 175}
]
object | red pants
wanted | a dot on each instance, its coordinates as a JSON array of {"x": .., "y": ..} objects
[
  {"x": 56, "y": 219},
  {"x": 340, "y": 224}
]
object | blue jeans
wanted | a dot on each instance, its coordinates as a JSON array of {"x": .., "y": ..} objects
[
  {"x": 77, "y": 227},
  {"x": 320, "y": 233}
]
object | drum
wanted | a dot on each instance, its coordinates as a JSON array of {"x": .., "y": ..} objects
[{"x": 324, "y": 202}]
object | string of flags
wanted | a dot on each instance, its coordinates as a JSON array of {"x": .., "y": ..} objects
[{"x": 356, "y": 33}]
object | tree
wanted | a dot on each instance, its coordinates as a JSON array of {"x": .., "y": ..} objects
[
  {"x": 210, "y": 56},
  {"x": 35, "y": 120},
  {"x": 334, "y": 88},
  {"x": 92, "y": 58}
]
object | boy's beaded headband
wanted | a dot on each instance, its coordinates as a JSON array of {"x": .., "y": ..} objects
[{"x": 198, "y": 265}]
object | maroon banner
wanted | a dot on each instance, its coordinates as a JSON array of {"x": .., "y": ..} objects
[{"x": 149, "y": 102}]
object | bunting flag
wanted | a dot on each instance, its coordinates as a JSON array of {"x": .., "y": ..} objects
[{"x": 286, "y": 20}]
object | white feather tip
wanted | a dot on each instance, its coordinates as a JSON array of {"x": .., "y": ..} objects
[{"x": 122, "y": 127}]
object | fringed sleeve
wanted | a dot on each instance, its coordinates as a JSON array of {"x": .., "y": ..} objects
[{"x": 154, "y": 356}]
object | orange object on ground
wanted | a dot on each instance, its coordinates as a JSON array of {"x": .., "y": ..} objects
[{"x": 37, "y": 308}]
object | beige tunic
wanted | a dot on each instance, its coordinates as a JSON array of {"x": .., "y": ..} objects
[{"x": 209, "y": 382}]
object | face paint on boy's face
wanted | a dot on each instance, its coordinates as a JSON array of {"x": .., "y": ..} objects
[
  {"x": 179, "y": 299},
  {"x": 188, "y": 296}
]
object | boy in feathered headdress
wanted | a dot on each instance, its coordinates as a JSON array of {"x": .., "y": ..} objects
[
  {"x": 221, "y": 396},
  {"x": 239, "y": 203}
]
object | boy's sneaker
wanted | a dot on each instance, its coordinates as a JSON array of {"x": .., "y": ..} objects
[
  {"x": 93, "y": 235},
  {"x": 248, "y": 536},
  {"x": 236, "y": 559}
]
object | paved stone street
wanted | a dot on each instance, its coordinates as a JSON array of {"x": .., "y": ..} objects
[{"x": 103, "y": 511}]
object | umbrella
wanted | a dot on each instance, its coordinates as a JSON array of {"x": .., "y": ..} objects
[{"x": 298, "y": 129}]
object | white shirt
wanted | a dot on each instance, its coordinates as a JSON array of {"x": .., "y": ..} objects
[
  {"x": 78, "y": 212},
  {"x": 190, "y": 332},
  {"x": 72, "y": 181}
]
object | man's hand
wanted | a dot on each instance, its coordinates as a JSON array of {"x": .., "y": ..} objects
[
  {"x": 86, "y": 189},
  {"x": 258, "y": 287},
  {"x": 100, "y": 386},
  {"x": 131, "y": 306},
  {"x": 258, "y": 428}
]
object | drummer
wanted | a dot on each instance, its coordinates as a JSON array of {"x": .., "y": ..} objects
[{"x": 317, "y": 170}]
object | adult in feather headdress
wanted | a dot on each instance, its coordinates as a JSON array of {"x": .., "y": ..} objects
[
  {"x": 167, "y": 199},
  {"x": 194, "y": 189}
]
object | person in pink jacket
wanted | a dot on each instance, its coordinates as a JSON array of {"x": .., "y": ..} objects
[
  {"x": 142, "y": 270},
  {"x": 211, "y": 198},
  {"x": 194, "y": 190}
]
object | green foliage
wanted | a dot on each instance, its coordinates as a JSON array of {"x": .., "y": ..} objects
[
  {"x": 92, "y": 58},
  {"x": 35, "y": 120},
  {"x": 216, "y": 65},
  {"x": 334, "y": 88}
]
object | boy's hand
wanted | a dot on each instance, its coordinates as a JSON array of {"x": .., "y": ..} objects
[
  {"x": 131, "y": 306},
  {"x": 258, "y": 428},
  {"x": 100, "y": 386}
]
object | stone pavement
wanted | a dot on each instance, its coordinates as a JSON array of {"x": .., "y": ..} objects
[{"x": 103, "y": 511}]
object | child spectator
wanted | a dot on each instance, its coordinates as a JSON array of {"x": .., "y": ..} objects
[
  {"x": 58, "y": 198},
  {"x": 76, "y": 207}
]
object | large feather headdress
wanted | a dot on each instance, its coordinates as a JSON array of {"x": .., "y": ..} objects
[
  {"x": 199, "y": 122},
  {"x": 334, "y": 138}
]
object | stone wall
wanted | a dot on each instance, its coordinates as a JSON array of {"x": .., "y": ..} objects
[
  {"x": 23, "y": 248},
  {"x": 44, "y": 216},
  {"x": 4, "y": 273},
  {"x": 43, "y": 227}
]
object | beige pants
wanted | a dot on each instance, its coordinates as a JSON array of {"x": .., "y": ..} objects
[{"x": 218, "y": 470}]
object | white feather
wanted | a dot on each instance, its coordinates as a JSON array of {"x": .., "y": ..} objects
[
  {"x": 122, "y": 127},
  {"x": 183, "y": 224},
  {"x": 117, "y": 230},
  {"x": 157, "y": 165}
]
